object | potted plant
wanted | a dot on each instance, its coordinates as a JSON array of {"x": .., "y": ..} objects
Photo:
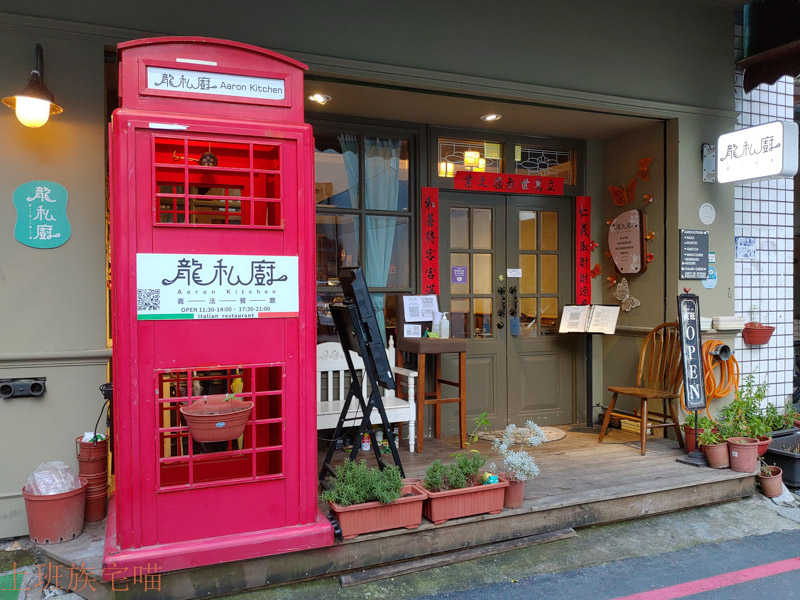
[
  {"x": 770, "y": 480},
  {"x": 760, "y": 429},
  {"x": 365, "y": 499},
  {"x": 785, "y": 453},
  {"x": 703, "y": 423},
  {"x": 457, "y": 489},
  {"x": 217, "y": 418},
  {"x": 715, "y": 448},
  {"x": 743, "y": 453},
  {"x": 781, "y": 423},
  {"x": 518, "y": 463}
]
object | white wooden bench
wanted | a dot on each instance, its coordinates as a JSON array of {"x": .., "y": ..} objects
[{"x": 333, "y": 387}]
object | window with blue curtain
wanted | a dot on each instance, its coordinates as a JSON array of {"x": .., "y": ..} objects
[{"x": 363, "y": 219}]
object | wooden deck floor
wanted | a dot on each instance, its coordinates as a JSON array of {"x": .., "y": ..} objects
[
  {"x": 582, "y": 483},
  {"x": 578, "y": 471}
]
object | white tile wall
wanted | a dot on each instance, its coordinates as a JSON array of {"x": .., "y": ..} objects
[{"x": 765, "y": 210}]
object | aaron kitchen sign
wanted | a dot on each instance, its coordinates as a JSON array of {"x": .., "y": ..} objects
[
  {"x": 221, "y": 84},
  {"x": 762, "y": 152},
  {"x": 216, "y": 286}
]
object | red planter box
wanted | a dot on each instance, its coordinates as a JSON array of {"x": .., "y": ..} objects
[
  {"x": 475, "y": 500},
  {"x": 374, "y": 516}
]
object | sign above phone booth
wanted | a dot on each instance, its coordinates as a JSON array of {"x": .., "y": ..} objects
[{"x": 212, "y": 236}]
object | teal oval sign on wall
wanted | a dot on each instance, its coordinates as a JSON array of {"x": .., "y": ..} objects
[{"x": 41, "y": 214}]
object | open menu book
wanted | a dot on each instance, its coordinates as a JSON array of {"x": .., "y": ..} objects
[{"x": 596, "y": 318}]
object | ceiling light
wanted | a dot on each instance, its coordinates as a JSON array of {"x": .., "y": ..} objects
[
  {"x": 34, "y": 104},
  {"x": 322, "y": 99},
  {"x": 491, "y": 117}
]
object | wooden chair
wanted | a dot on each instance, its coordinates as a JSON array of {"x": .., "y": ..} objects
[{"x": 659, "y": 376}]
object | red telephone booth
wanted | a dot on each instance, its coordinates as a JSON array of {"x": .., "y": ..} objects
[{"x": 212, "y": 233}]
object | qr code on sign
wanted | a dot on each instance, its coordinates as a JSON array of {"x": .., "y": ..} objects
[{"x": 148, "y": 299}]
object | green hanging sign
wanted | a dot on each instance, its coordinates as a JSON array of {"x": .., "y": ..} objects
[{"x": 41, "y": 214}]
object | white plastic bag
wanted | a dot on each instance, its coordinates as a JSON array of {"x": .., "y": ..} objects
[{"x": 52, "y": 478}]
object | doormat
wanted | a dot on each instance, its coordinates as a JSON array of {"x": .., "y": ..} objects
[{"x": 553, "y": 434}]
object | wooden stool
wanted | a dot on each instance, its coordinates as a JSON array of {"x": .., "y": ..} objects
[
  {"x": 423, "y": 347},
  {"x": 435, "y": 398}
]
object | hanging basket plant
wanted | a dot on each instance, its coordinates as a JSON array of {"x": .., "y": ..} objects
[
  {"x": 218, "y": 418},
  {"x": 756, "y": 334}
]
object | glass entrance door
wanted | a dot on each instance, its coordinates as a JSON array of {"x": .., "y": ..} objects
[{"x": 505, "y": 267}]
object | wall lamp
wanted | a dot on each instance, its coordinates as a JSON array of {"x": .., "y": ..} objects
[{"x": 34, "y": 104}]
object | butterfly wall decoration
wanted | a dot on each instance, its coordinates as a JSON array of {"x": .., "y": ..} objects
[
  {"x": 623, "y": 196},
  {"x": 644, "y": 168},
  {"x": 596, "y": 270},
  {"x": 623, "y": 294}
]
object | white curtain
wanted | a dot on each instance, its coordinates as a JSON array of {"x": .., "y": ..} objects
[
  {"x": 382, "y": 182},
  {"x": 382, "y": 187}
]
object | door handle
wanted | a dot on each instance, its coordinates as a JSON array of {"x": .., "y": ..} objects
[
  {"x": 515, "y": 300},
  {"x": 501, "y": 312}
]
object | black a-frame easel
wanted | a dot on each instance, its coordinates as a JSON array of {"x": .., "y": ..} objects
[{"x": 358, "y": 331}]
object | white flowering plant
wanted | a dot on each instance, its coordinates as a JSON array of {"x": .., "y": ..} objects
[{"x": 519, "y": 464}]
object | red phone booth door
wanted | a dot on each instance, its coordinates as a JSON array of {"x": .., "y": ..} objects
[{"x": 213, "y": 206}]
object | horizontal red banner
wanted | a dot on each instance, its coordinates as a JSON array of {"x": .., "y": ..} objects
[{"x": 509, "y": 183}]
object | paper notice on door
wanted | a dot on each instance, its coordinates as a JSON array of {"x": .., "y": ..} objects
[
  {"x": 420, "y": 308},
  {"x": 513, "y": 272}
]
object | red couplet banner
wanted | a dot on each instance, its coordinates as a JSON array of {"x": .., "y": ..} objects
[
  {"x": 430, "y": 240},
  {"x": 583, "y": 249},
  {"x": 509, "y": 183}
]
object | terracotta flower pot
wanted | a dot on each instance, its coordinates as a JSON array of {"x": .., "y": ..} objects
[
  {"x": 772, "y": 485},
  {"x": 406, "y": 512},
  {"x": 475, "y": 500},
  {"x": 763, "y": 444},
  {"x": 217, "y": 419},
  {"x": 744, "y": 454},
  {"x": 717, "y": 455},
  {"x": 689, "y": 439},
  {"x": 515, "y": 494},
  {"x": 756, "y": 334}
]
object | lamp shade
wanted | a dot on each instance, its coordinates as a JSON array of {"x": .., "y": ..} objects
[{"x": 34, "y": 104}]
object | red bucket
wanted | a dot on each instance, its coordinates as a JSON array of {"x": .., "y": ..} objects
[
  {"x": 92, "y": 466},
  {"x": 90, "y": 450},
  {"x": 96, "y": 504},
  {"x": 57, "y": 517},
  {"x": 96, "y": 482}
]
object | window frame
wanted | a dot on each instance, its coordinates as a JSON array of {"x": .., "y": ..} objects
[{"x": 407, "y": 134}]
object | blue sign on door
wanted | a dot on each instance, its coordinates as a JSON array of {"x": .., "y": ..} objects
[{"x": 41, "y": 214}]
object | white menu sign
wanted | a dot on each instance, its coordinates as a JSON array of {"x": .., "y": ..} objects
[
  {"x": 220, "y": 84},
  {"x": 216, "y": 286}
]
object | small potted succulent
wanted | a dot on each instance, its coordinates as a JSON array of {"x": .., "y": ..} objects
[
  {"x": 460, "y": 489},
  {"x": 770, "y": 479},
  {"x": 365, "y": 499},
  {"x": 715, "y": 448},
  {"x": 518, "y": 463}
]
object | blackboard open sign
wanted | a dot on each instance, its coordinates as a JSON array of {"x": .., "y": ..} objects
[{"x": 694, "y": 386}]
